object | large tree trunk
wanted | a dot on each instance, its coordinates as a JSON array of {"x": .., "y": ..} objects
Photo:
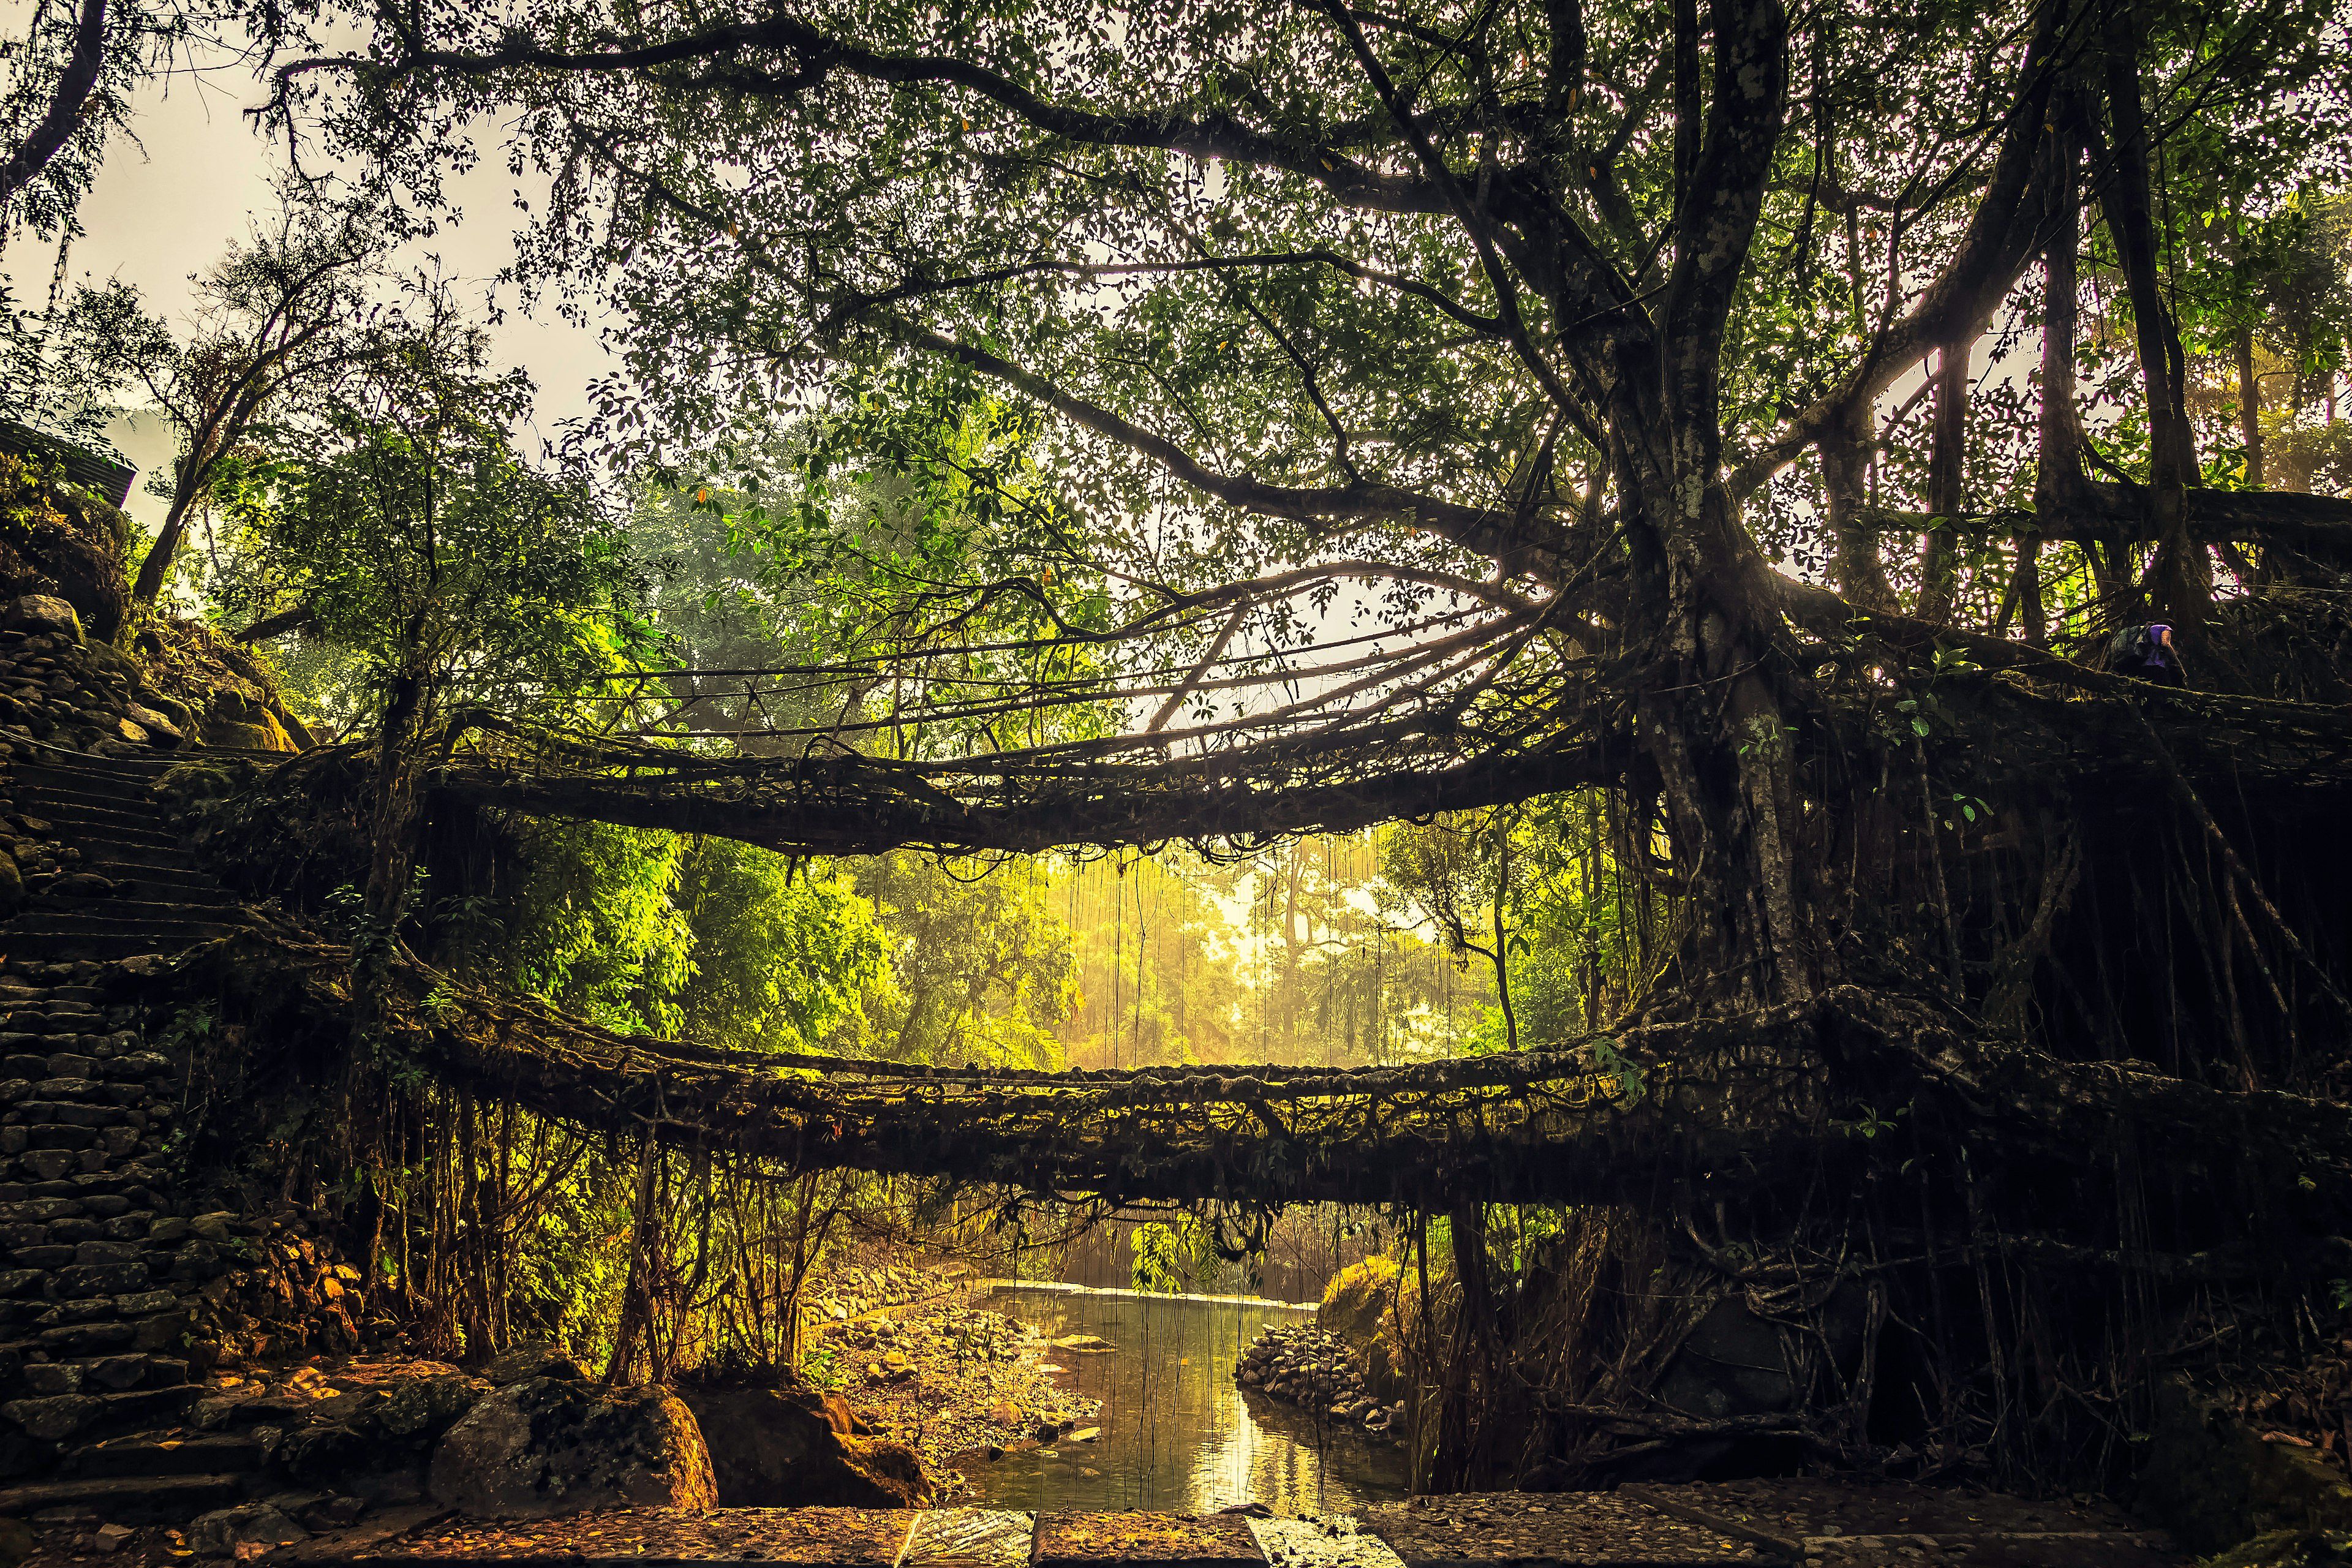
[
  {"x": 156, "y": 564},
  {"x": 69, "y": 102},
  {"x": 2059, "y": 479},
  {"x": 2250, "y": 408},
  {"x": 1854, "y": 563},
  {"x": 2181, "y": 576},
  {"x": 1946, "y": 485},
  {"x": 1711, "y": 720}
]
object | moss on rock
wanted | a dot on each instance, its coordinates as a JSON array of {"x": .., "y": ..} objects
[
  {"x": 2214, "y": 1483},
  {"x": 1359, "y": 1305}
]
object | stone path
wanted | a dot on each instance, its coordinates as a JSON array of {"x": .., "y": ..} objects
[{"x": 1770, "y": 1524}]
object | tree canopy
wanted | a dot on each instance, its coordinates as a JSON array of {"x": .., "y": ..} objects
[{"x": 1537, "y": 339}]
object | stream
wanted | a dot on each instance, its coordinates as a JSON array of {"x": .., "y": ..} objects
[{"x": 1176, "y": 1432}]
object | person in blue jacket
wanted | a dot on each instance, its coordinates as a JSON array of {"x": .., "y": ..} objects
[{"x": 2147, "y": 653}]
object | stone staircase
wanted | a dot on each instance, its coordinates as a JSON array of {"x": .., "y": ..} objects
[
  {"x": 136, "y": 889},
  {"x": 93, "y": 1338}
]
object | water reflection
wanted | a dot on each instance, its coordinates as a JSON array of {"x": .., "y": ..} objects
[{"x": 1176, "y": 1431}]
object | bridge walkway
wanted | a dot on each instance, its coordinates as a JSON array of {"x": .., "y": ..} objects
[{"x": 1760, "y": 1525}]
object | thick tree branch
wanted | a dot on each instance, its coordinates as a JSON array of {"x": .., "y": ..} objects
[
  {"x": 1489, "y": 531},
  {"x": 64, "y": 115},
  {"x": 816, "y": 55},
  {"x": 2001, "y": 237}
]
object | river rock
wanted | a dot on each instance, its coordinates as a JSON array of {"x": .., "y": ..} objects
[
  {"x": 550, "y": 1446},
  {"x": 1316, "y": 1370},
  {"x": 227, "y": 1532},
  {"x": 791, "y": 1447}
]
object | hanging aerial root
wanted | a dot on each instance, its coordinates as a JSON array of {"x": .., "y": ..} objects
[{"x": 1736, "y": 1103}]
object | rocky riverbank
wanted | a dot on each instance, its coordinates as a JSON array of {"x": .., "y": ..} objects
[
  {"x": 1317, "y": 1371},
  {"x": 949, "y": 1381},
  {"x": 850, "y": 1291}
]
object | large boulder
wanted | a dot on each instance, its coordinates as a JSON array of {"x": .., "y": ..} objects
[
  {"x": 1732, "y": 1364},
  {"x": 1360, "y": 1305},
  {"x": 421, "y": 1408},
  {"x": 550, "y": 1446},
  {"x": 237, "y": 720},
  {"x": 1358, "y": 1299},
  {"x": 41, "y": 614},
  {"x": 791, "y": 1447},
  {"x": 88, "y": 574},
  {"x": 537, "y": 1358},
  {"x": 64, "y": 543},
  {"x": 2214, "y": 1481}
]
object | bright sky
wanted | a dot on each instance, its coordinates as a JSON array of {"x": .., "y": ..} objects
[{"x": 170, "y": 205}]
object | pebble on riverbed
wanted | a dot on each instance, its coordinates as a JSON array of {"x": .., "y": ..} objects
[
  {"x": 1317, "y": 1372},
  {"x": 948, "y": 1381}
]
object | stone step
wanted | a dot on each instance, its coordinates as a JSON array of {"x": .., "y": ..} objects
[
  {"x": 61, "y": 792},
  {"x": 731, "y": 1537},
  {"x": 75, "y": 923},
  {"x": 92, "y": 816},
  {"x": 74, "y": 806},
  {"x": 163, "y": 1454},
  {"x": 42, "y": 1005},
  {"x": 73, "y": 819},
  {"x": 74, "y": 772},
  {"x": 48, "y": 998},
  {"x": 126, "y": 1500},
  {"x": 85, "y": 1417},
  {"x": 131, "y": 860},
  {"x": 1509, "y": 1530},
  {"x": 60, "y": 947},
  {"x": 96, "y": 840},
  {"x": 65, "y": 757},
  {"x": 197, "y": 892},
  {"x": 77, "y": 806},
  {"x": 112, "y": 789},
  {"x": 38, "y": 1030},
  {"x": 144, "y": 912},
  {"x": 103, "y": 783}
]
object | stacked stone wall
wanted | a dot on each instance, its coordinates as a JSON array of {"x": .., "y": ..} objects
[{"x": 120, "y": 1277}]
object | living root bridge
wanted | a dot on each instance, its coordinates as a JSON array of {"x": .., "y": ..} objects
[
  {"x": 845, "y": 803},
  {"x": 2062, "y": 726},
  {"x": 1783, "y": 1098}
]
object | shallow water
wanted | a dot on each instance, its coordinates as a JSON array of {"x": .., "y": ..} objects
[{"x": 1177, "y": 1433}]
